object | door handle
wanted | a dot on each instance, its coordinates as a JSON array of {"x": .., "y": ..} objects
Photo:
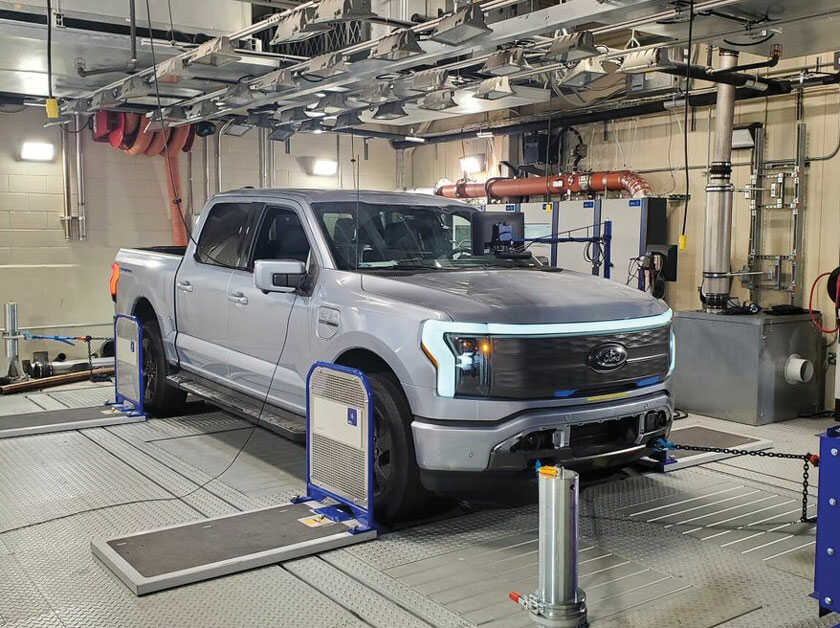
[
  {"x": 238, "y": 297},
  {"x": 184, "y": 286}
]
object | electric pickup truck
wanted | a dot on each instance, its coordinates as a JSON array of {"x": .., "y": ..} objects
[{"x": 482, "y": 363}]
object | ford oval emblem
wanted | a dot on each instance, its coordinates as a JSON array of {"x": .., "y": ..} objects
[{"x": 607, "y": 357}]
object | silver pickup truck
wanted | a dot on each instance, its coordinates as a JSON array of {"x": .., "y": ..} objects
[{"x": 481, "y": 364}]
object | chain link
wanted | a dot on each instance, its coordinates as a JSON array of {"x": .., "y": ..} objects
[{"x": 806, "y": 458}]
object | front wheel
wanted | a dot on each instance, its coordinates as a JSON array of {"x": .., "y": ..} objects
[{"x": 398, "y": 494}]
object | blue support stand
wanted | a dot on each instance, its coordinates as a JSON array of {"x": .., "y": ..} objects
[
  {"x": 345, "y": 508},
  {"x": 827, "y": 563}
]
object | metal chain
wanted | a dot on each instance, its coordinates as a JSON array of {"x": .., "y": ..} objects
[{"x": 806, "y": 458}]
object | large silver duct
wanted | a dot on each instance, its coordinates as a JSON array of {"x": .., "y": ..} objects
[{"x": 718, "y": 233}]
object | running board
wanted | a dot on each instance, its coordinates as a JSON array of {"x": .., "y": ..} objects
[{"x": 282, "y": 422}]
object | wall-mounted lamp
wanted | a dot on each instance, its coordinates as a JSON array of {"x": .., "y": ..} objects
[
  {"x": 37, "y": 151},
  {"x": 318, "y": 167},
  {"x": 470, "y": 164}
]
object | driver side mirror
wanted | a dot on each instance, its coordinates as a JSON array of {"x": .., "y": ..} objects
[{"x": 282, "y": 275}]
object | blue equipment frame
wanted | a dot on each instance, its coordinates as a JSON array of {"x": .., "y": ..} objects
[
  {"x": 827, "y": 563},
  {"x": 131, "y": 407},
  {"x": 363, "y": 514}
]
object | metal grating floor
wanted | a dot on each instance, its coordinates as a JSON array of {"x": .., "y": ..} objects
[{"x": 715, "y": 545}]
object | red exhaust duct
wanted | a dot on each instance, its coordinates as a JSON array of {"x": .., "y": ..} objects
[{"x": 572, "y": 182}]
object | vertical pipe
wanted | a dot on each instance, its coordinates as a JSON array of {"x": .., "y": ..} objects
[
  {"x": 219, "y": 161},
  {"x": 207, "y": 174},
  {"x": 80, "y": 181},
  {"x": 261, "y": 157},
  {"x": 67, "y": 218},
  {"x": 269, "y": 160},
  {"x": 190, "y": 189},
  {"x": 557, "y": 591},
  {"x": 12, "y": 354},
  {"x": 718, "y": 230},
  {"x": 338, "y": 173}
]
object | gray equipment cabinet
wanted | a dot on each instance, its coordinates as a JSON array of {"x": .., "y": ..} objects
[{"x": 734, "y": 367}]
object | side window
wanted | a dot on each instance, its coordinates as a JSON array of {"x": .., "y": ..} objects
[
  {"x": 281, "y": 236},
  {"x": 225, "y": 234}
]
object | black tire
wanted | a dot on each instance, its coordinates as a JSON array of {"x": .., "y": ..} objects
[
  {"x": 398, "y": 494},
  {"x": 159, "y": 398}
]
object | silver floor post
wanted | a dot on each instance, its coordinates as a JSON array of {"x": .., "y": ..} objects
[
  {"x": 12, "y": 341},
  {"x": 558, "y": 601}
]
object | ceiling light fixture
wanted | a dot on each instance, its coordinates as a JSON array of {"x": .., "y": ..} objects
[
  {"x": 415, "y": 139},
  {"x": 572, "y": 47},
  {"x": 333, "y": 103},
  {"x": 425, "y": 81},
  {"x": 237, "y": 127},
  {"x": 649, "y": 60},
  {"x": 494, "y": 88},
  {"x": 326, "y": 66},
  {"x": 505, "y": 62},
  {"x": 293, "y": 115},
  {"x": 237, "y": 96},
  {"x": 346, "y": 120},
  {"x": 438, "y": 101},
  {"x": 463, "y": 25},
  {"x": 298, "y": 26},
  {"x": 312, "y": 125},
  {"x": 216, "y": 52},
  {"x": 584, "y": 73},
  {"x": 376, "y": 95},
  {"x": 485, "y": 134},
  {"x": 281, "y": 133},
  {"x": 400, "y": 45},
  {"x": 202, "y": 110},
  {"x": 335, "y": 11},
  {"x": 273, "y": 82},
  {"x": 390, "y": 111}
]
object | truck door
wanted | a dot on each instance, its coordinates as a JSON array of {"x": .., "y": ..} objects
[
  {"x": 201, "y": 287},
  {"x": 259, "y": 324}
]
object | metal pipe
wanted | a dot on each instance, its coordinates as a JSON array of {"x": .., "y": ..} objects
[
  {"x": 261, "y": 157},
  {"x": 219, "y": 160},
  {"x": 80, "y": 181},
  {"x": 59, "y": 326},
  {"x": 718, "y": 231},
  {"x": 269, "y": 160},
  {"x": 204, "y": 151},
  {"x": 67, "y": 217},
  {"x": 12, "y": 342}
]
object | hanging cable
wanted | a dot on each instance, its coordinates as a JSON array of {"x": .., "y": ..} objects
[
  {"x": 685, "y": 115},
  {"x": 811, "y": 313}
]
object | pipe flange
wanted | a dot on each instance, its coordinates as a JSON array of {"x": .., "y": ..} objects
[{"x": 570, "y": 615}]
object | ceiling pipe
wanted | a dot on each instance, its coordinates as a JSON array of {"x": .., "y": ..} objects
[{"x": 567, "y": 183}]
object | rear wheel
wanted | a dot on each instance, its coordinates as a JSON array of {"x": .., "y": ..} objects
[
  {"x": 159, "y": 397},
  {"x": 398, "y": 494}
]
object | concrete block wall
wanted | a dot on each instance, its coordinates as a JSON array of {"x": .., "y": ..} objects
[{"x": 58, "y": 281}]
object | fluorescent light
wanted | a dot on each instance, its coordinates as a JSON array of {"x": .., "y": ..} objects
[
  {"x": 426, "y": 81},
  {"x": 461, "y": 26},
  {"x": 415, "y": 139},
  {"x": 470, "y": 164},
  {"x": 645, "y": 61},
  {"x": 584, "y": 73},
  {"x": 37, "y": 151},
  {"x": 324, "y": 167},
  {"x": 484, "y": 134}
]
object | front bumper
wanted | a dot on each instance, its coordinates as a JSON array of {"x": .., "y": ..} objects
[{"x": 593, "y": 435}]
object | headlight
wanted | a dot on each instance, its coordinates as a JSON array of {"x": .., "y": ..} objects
[{"x": 472, "y": 363}]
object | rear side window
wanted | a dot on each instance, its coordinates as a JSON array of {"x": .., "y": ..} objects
[{"x": 226, "y": 234}]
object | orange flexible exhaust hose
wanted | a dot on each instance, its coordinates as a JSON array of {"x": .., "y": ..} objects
[
  {"x": 177, "y": 139},
  {"x": 573, "y": 182},
  {"x": 159, "y": 140},
  {"x": 140, "y": 142}
]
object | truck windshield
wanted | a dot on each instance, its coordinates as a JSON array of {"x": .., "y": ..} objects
[{"x": 404, "y": 238}]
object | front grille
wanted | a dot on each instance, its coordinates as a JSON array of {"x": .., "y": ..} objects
[{"x": 539, "y": 367}]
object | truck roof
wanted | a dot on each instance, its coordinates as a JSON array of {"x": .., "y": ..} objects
[{"x": 316, "y": 196}]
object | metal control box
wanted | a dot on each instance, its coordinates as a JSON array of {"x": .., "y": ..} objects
[{"x": 734, "y": 367}]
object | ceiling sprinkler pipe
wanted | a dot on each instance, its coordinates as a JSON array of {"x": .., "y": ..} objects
[{"x": 572, "y": 182}]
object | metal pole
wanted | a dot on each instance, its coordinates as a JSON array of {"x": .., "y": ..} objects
[
  {"x": 558, "y": 601},
  {"x": 67, "y": 217},
  {"x": 261, "y": 156},
  {"x": 718, "y": 231},
  {"x": 269, "y": 160},
  {"x": 80, "y": 181},
  {"x": 218, "y": 161},
  {"x": 12, "y": 356}
]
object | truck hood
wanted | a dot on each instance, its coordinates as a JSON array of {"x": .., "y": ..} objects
[{"x": 517, "y": 296}]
